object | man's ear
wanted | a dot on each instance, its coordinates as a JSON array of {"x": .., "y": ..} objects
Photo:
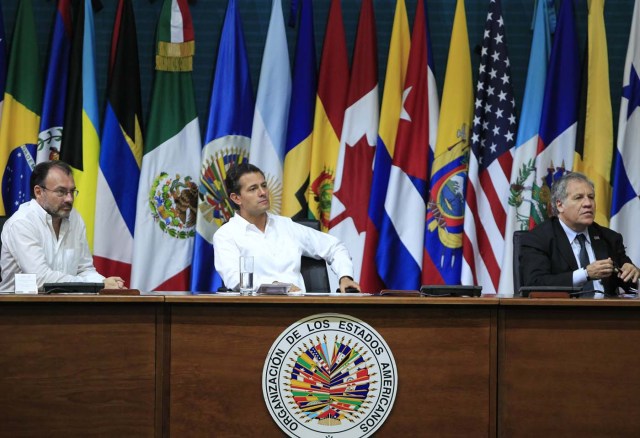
[{"x": 235, "y": 198}]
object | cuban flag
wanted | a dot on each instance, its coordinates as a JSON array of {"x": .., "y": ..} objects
[
  {"x": 400, "y": 251},
  {"x": 397, "y": 61}
]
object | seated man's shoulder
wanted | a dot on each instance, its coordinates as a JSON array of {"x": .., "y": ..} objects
[
  {"x": 607, "y": 233},
  {"x": 281, "y": 219},
  {"x": 224, "y": 230},
  {"x": 543, "y": 232}
]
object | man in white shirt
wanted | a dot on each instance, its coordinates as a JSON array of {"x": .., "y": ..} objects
[
  {"x": 571, "y": 249},
  {"x": 275, "y": 242},
  {"x": 47, "y": 237}
]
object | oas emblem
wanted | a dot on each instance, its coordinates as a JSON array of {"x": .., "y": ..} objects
[
  {"x": 329, "y": 375},
  {"x": 173, "y": 203}
]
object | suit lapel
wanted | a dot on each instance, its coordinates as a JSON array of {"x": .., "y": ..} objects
[{"x": 563, "y": 245}]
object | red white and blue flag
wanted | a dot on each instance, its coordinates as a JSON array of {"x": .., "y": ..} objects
[
  {"x": 492, "y": 139},
  {"x": 400, "y": 251},
  {"x": 121, "y": 152},
  {"x": 397, "y": 61}
]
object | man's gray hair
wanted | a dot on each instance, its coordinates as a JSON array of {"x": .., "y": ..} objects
[{"x": 559, "y": 188}]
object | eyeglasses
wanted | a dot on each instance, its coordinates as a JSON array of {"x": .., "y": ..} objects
[{"x": 62, "y": 193}]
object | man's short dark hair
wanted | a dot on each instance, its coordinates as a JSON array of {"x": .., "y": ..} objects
[
  {"x": 559, "y": 188},
  {"x": 40, "y": 172},
  {"x": 235, "y": 172}
]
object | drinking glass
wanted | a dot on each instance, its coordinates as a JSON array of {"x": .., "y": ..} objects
[{"x": 246, "y": 275}]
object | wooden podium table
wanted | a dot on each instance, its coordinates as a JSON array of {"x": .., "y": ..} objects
[
  {"x": 443, "y": 350},
  {"x": 79, "y": 365},
  {"x": 182, "y": 365},
  {"x": 569, "y": 368}
]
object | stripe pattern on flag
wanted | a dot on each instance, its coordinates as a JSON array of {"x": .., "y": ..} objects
[
  {"x": 400, "y": 251},
  {"x": 121, "y": 152},
  {"x": 492, "y": 137},
  {"x": 397, "y": 61}
]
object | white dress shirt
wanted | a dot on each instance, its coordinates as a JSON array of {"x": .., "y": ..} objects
[
  {"x": 30, "y": 245},
  {"x": 580, "y": 274},
  {"x": 276, "y": 252}
]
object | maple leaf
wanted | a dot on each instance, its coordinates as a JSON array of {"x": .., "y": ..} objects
[{"x": 356, "y": 183}]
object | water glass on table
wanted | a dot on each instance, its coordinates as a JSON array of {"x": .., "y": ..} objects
[{"x": 246, "y": 275}]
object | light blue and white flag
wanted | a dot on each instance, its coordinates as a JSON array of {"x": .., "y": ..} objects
[
  {"x": 269, "y": 132},
  {"x": 523, "y": 169}
]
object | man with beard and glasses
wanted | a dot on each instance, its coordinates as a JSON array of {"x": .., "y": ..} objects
[{"x": 47, "y": 237}]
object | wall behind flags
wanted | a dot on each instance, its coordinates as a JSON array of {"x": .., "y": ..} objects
[{"x": 208, "y": 17}]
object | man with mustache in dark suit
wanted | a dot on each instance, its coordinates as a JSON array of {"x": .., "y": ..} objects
[{"x": 570, "y": 249}]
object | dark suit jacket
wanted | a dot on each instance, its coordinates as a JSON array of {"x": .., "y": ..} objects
[{"x": 546, "y": 257}]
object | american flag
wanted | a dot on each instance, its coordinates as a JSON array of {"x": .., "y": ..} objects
[{"x": 492, "y": 139}]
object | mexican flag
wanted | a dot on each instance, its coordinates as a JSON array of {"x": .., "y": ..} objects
[{"x": 168, "y": 189}]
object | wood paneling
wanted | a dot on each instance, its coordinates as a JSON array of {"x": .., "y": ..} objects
[
  {"x": 442, "y": 354},
  {"x": 78, "y": 369},
  {"x": 569, "y": 371},
  {"x": 181, "y": 365}
]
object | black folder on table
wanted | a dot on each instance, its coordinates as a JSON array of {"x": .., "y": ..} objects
[
  {"x": 73, "y": 288},
  {"x": 526, "y": 290},
  {"x": 450, "y": 290}
]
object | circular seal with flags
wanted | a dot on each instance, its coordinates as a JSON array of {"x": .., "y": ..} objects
[{"x": 329, "y": 375}]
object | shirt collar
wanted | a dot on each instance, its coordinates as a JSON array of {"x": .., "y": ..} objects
[
  {"x": 248, "y": 226},
  {"x": 571, "y": 235}
]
